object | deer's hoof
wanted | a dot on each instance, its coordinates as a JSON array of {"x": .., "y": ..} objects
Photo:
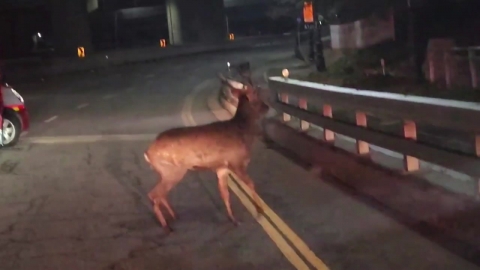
[
  {"x": 235, "y": 222},
  {"x": 168, "y": 230}
]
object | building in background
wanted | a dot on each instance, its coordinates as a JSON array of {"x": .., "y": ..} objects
[
  {"x": 250, "y": 18},
  {"x": 107, "y": 24}
]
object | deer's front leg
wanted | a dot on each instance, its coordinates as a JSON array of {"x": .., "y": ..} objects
[{"x": 222, "y": 175}]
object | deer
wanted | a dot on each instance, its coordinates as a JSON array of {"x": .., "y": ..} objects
[{"x": 221, "y": 147}]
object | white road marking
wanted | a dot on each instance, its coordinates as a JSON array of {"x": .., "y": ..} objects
[
  {"x": 51, "y": 119},
  {"x": 219, "y": 112},
  {"x": 109, "y": 96},
  {"x": 82, "y": 106},
  {"x": 89, "y": 138},
  {"x": 186, "y": 113}
]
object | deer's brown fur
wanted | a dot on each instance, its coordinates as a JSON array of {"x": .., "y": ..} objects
[{"x": 219, "y": 147}]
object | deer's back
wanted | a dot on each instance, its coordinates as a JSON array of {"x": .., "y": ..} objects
[{"x": 208, "y": 146}]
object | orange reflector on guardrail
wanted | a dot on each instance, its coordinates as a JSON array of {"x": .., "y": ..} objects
[
  {"x": 163, "y": 43},
  {"x": 81, "y": 52}
]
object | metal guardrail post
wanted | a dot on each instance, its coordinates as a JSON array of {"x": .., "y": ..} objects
[
  {"x": 448, "y": 75},
  {"x": 473, "y": 70},
  {"x": 363, "y": 147},
  {"x": 477, "y": 152},
  {"x": 303, "y": 104},
  {"x": 328, "y": 135},
  {"x": 410, "y": 132},
  {"x": 284, "y": 99},
  {"x": 477, "y": 145}
]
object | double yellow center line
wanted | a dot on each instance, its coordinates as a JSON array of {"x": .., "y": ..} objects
[{"x": 277, "y": 229}]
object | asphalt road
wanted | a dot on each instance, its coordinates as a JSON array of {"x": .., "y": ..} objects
[
  {"x": 76, "y": 205},
  {"x": 73, "y": 193}
]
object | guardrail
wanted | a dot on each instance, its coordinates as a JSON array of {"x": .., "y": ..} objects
[{"x": 313, "y": 104}]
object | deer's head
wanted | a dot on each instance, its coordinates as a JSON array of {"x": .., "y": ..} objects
[{"x": 246, "y": 94}]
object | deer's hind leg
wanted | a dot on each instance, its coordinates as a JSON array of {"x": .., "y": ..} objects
[
  {"x": 156, "y": 209},
  {"x": 170, "y": 176}
]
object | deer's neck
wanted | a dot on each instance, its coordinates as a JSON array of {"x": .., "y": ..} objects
[{"x": 244, "y": 111}]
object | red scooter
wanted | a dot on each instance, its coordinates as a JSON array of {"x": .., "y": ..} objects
[{"x": 14, "y": 114}]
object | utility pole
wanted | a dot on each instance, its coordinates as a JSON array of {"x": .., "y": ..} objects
[
  {"x": 319, "y": 57},
  {"x": 308, "y": 23},
  {"x": 297, "y": 40},
  {"x": 417, "y": 59},
  {"x": 411, "y": 37},
  {"x": 314, "y": 22}
]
